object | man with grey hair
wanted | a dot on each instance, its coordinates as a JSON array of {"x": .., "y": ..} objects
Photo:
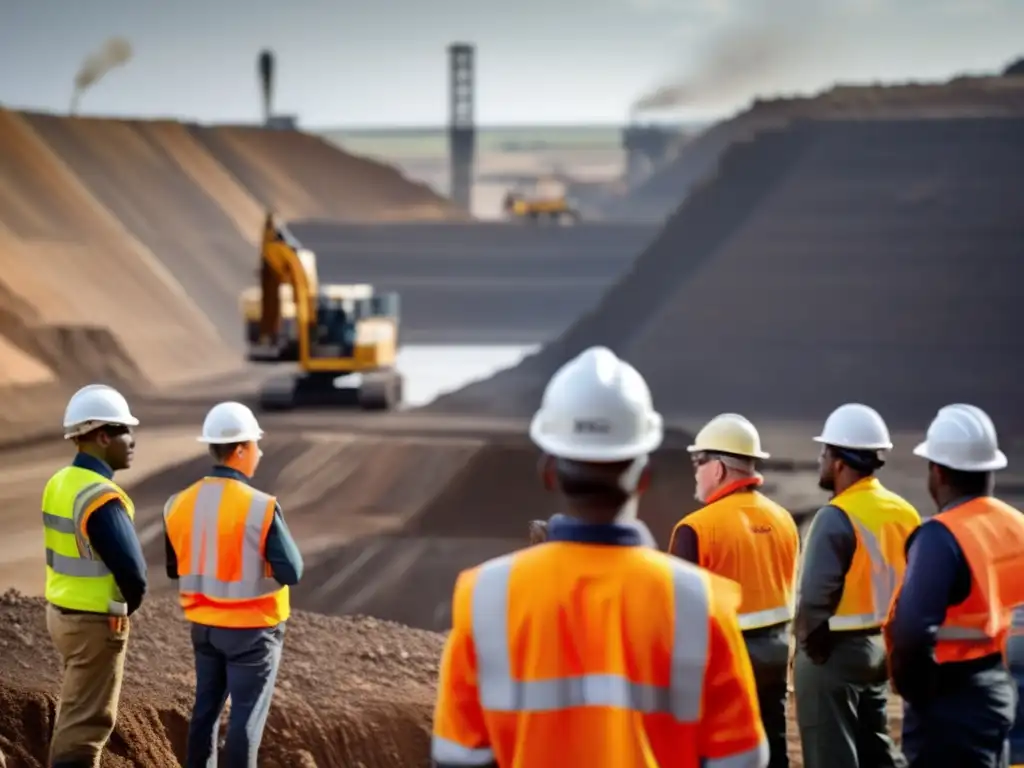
[{"x": 743, "y": 535}]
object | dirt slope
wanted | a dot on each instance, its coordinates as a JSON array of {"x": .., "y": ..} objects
[
  {"x": 350, "y": 692},
  {"x": 962, "y": 97},
  {"x": 303, "y": 176},
  {"x": 830, "y": 261},
  {"x": 76, "y": 264},
  {"x": 127, "y": 228}
]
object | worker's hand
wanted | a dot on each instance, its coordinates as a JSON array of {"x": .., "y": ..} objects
[
  {"x": 538, "y": 531},
  {"x": 818, "y": 646}
]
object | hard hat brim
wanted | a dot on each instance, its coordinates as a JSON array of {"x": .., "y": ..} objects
[
  {"x": 705, "y": 449},
  {"x": 997, "y": 462},
  {"x": 229, "y": 440},
  {"x": 565, "y": 450},
  {"x": 846, "y": 444}
]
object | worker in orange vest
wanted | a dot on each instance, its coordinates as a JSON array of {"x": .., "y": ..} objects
[
  {"x": 948, "y": 627},
  {"x": 854, "y": 556},
  {"x": 743, "y": 535},
  {"x": 231, "y": 552},
  {"x": 590, "y": 649}
]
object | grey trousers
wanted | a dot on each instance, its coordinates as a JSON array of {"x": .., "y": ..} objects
[
  {"x": 964, "y": 725},
  {"x": 841, "y": 706},
  {"x": 769, "y": 656},
  {"x": 242, "y": 664}
]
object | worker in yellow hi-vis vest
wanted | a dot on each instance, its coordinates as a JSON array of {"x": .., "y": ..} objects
[
  {"x": 854, "y": 558},
  {"x": 95, "y": 573}
]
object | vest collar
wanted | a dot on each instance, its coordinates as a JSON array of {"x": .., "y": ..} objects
[
  {"x": 870, "y": 483},
  {"x": 743, "y": 484},
  {"x": 91, "y": 463},
  {"x": 960, "y": 501},
  {"x": 229, "y": 473},
  {"x": 564, "y": 528}
]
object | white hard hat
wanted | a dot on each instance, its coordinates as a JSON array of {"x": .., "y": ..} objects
[
  {"x": 856, "y": 426},
  {"x": 729, "y": 433},
  {"x": 597, "y": 408},
  {"x": 94, "y": 406},
  {"x": 230, "y": 422},
  {"x": 962, "y": 437}
]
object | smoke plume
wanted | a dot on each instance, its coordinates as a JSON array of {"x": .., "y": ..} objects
[
  {"x": 114, "y": 53},
  {"x": 754, "y": 49}
]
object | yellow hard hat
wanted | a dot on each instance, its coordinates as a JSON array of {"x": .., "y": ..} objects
[{"x": 729, "y": 433}]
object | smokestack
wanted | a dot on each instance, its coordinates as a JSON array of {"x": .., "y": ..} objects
[
  {"x": 116, "y": 52},
  {"x": 265, "y": 67},
  {"x": 461, "y": 124}
]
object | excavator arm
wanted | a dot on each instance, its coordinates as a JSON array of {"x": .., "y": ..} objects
[{"x": 332, "y": 331}]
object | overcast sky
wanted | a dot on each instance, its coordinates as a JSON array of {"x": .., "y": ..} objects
[{"x": 380, "y": 62}]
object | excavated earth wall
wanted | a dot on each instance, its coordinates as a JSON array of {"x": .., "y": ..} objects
[
  {"x": 119, "y": 241},
  {"x": 657, "y": 197},
  {"x": 828, "y": 261}
]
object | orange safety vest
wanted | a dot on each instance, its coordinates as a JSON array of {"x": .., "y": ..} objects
[
  {"x": 882, "y": 522},
  {"x": 625, "y": 658},
  {"x": 218, "y": 528},
  {"x": 748, "y": 538},
  {"x": 991, "y": 535}
]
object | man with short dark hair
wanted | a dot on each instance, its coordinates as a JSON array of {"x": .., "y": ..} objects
[
  {"x": 95, "y": 573},
  {"x": 950, "y": 623},
  {"x": 590, "y": 649},
  {"x": 231, "y": 552},
  {"x": 853, "y": 559}
]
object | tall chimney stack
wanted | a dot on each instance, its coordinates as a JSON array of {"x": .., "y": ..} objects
[
  {"x": 265, "y": 66},
  {"x": 461, "y": 125}
]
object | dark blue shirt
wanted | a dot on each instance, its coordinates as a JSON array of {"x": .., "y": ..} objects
[
  {"x": 112, "y": 537},
  {"x": 565, "y": 528},
  {"x": 281, "y": 551},
  {"x": 937, "y": 577}
]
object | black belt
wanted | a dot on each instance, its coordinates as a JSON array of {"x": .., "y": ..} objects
[
  {"x": 866, "y": 632},
  {"x": 771, "y": 629}
]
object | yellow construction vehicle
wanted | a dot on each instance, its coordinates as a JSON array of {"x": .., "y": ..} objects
[
  {"x": 344, "y": 337},
  {"x": 546, "y": 201}
]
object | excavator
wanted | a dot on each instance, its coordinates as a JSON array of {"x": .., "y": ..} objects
[{"x": 343, "y": 337}]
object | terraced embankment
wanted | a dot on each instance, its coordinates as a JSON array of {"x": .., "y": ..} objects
[
  {"x": 657, "y": 197},
  {"x": 124, "y": 244},
  {"x": 828, "y": 261},
  {"x": 481, "y": 283}
]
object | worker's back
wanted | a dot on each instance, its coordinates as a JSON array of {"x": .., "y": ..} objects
[
  {"x": 747, "y": 537},
  {"x": 602, "y": 655}
]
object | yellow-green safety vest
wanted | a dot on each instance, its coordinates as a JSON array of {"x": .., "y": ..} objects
[{"x": 76, "y": 578}]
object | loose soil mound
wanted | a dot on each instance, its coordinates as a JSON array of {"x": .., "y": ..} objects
[
  {"x": 351, "y": 691},
  {"x": 657, "y": 197},
  {"x": 827, "y": 262}
]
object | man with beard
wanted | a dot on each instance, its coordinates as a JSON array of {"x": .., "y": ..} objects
[{"x": 854, "y": 559}]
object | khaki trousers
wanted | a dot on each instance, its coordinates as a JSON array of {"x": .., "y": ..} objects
[{"x": 92, "y": 647}]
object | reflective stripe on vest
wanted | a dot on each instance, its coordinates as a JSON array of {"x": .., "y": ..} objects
[
  {"x": 86, "y": 565},
  {"x": 990, "y": 534},
  {"x": 748, "y": 538},
  {"x": 204, "y": 551},
  {"x": 76, "y": 578},
  {"x": 883, "y": 584},
  {"x": 500, "y": 692},
  {"x": 882, "y": 522},
  {"x": 767, "y": 618}
]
